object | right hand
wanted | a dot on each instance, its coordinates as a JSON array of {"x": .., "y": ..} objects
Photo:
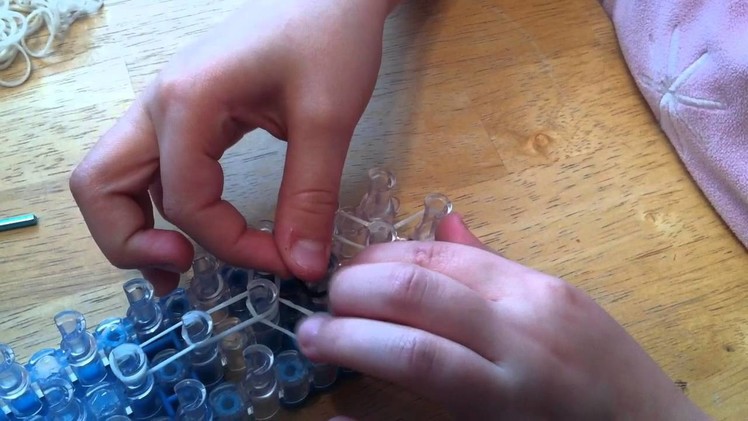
[
  {"x": 486, "y": 337},
  {"x": 302, "y": 70}
]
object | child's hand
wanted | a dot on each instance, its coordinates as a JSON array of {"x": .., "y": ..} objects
[
  {"x": 486, "y": 337},
  {"x": 302, "y": 70}
]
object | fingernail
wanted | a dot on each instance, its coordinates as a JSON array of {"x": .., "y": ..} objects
[
  {"x": 307, "y": 332},
  {"x": 309, "y": 254}
]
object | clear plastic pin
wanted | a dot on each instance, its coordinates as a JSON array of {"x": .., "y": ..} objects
[
  {"x": 47, "y": 363},
  {"x": 114, "y": 331},
  {"x": 144, "y": 311},
  {"x": 80, "y": 348},
  {"x": 436, "y": 206},
  {"x": 349, "y": 234},
  {"x": 106, "y": 399},
  {"x": 130, "y": 365},
  {"x": 173, "y": 372},
  {"x": 193, "y": 402},
  {"x": 197, "y": 327},
  {"x": 379, "y": 202},
  {"x": 379, "y": 232},
  {"x": 62, "y": 404},
  {"x": 263, "y": 299},
  {"x": 233, "y": 344},
  {"x": 237, "y": 280},
  {"x": 15, "y": 386},
  {"x": 353, "y": 234},
  {"x": 208, "y": 288},
  {"x": 175, "y": 305},
  {"x": 260, "y": 383},
  {"x": 293, "y": 376}
]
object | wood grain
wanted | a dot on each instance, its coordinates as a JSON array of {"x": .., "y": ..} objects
[{"x": 522, "y": 112}]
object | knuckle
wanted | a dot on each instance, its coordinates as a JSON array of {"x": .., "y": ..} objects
[
  {"x": 419, "y": 353},
  {"x": 82, "y": 181},
  {"x": 317, "y": 202},
  {"x": 175, "y": 212},
  {"x": 172, "y": 89},
  {"x": 432, "y": 255},
  {"x": 120, "y": 262},
  {"x": 79, "y": 180},
  {"x": 409, "y": 285},
  {"x": 326, "y": 114},
  {"x": 559, "y": 293},
  {"x": 323, "y": 112}
]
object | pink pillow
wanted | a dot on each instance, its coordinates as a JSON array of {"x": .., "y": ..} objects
[{"x": 690, "y": 61}]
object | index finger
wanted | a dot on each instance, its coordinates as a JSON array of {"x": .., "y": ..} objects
[
  {"x": 110, "y": 187},
  {"x": 192, "y": 180}
]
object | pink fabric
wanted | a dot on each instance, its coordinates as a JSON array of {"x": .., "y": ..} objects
[{"x": 690, "y": 61}]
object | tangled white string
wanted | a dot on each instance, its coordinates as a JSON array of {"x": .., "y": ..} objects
[{"x": 20, "y": 19}]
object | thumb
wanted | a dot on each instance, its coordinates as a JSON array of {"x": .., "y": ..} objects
[
  {"x": 452, "y": 228},
  {"x": 308, "y": 200}
]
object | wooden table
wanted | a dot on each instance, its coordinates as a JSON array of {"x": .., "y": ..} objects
[{"x": 522, "y": 112}]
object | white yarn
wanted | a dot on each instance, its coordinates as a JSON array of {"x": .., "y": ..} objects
[{"x": 20, "y": 19}]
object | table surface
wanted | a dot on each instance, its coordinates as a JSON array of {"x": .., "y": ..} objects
[{"x": 523, "y": 113}]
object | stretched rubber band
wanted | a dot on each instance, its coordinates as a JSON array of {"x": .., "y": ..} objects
[
  {"x": 256, "y": 318},
  {"x": 407, "y": 220},
  {"x": 348, "y": 242}
]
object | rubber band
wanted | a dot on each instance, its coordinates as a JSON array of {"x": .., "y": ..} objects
[
  {"x": 256, "y": 318},
  {"x": 48, "y": 18},
  {"x": 281, "y": 329},
  {"x": 354, "y": 218},
  {"x": 20, "y": 19},
  {"x": 296, "y": 307},
  {"x": 407, "y": 220},
  {"x": 266, "y": 322},
  {"x": 177, "y": 325},
  {"x": 349, "y": 242},
  {"x": 206, "y": 342},
  {"x": 21, "y": 80}
]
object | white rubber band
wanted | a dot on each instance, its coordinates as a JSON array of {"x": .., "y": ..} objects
[
  {"x": 298, "y": 308},
  {"x": 256, "y": 318},
  {"x": 42, "y": 14},
  {"x": 21, "y": 80},
  {"x": 348, "y": 242},
  {"x": 354, "y": 218},
  {"x": 20, "y": 19},
  {"x": 408, "y": 220}
]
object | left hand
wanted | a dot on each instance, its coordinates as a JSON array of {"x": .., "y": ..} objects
[
  {"x": 302, "y": 70},
  {"x": 486, "y": 337}
]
